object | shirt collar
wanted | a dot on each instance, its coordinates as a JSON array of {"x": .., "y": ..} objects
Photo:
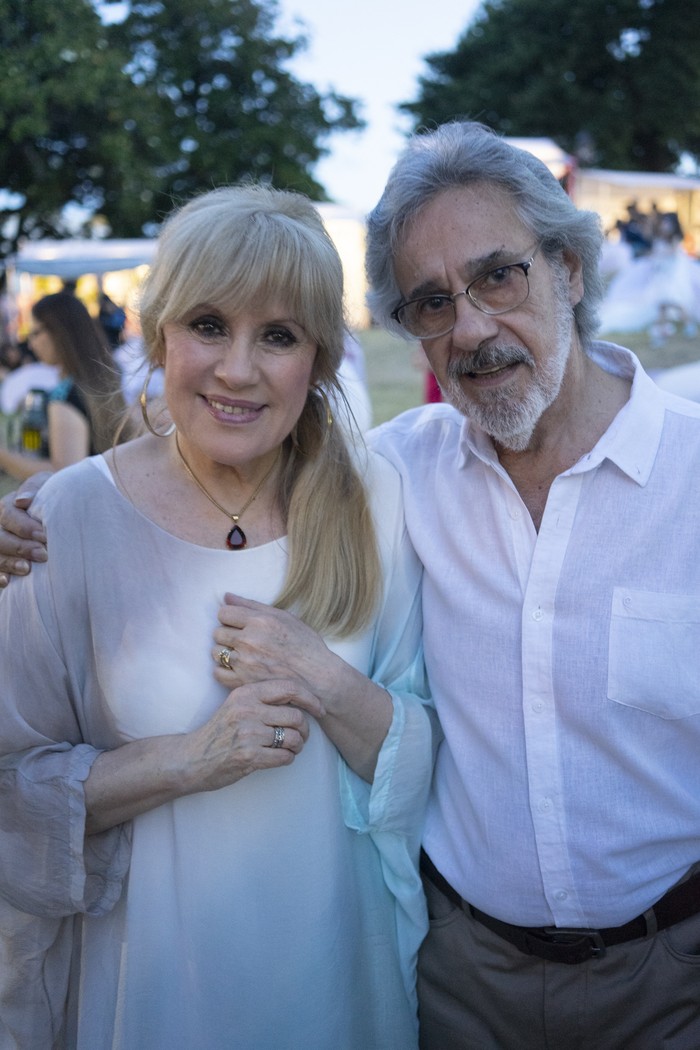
[{"x": 630, "y": 442}]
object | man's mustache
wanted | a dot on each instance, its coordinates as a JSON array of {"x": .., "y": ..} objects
[{"x": 488, "y": 357}]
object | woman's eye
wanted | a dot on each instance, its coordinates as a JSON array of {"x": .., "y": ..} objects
[
  {"x": 280, "y": 338},
  {"x": 207, "y": 327}
]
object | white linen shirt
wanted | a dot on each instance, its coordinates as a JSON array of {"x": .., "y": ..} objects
[{"x": 564, "y": 664}]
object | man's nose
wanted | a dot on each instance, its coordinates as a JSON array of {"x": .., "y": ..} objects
[{"x": 472, "y": 326}]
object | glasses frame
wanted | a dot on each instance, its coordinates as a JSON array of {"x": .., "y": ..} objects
[{"x": 524, "y": 266}]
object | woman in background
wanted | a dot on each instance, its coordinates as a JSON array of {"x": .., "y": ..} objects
[{"x": 86, "y": 408}]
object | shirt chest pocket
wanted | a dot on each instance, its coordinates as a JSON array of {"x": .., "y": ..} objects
[{"x": 654, "y": 652}]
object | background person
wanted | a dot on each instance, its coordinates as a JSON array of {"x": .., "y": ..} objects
[
  {"x": 86, "y": 407},
  {"x": 213, "y": 862},
  {"x": 112, "y": 320},
  {"x": 555, "y": 515},
  {"x": 657, "y": 291},
  {"x": 25, "y": 374}
]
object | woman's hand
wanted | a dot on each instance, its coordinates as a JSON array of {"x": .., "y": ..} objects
[
  {"x": 22, "y": 539},
  {"x": 238, "y": 739},
  {"x": 258, "y": 642},
  {"x": 271, "y": 643},
  {"x": 241, "y": 736}
]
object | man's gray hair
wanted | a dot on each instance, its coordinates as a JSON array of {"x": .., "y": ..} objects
[{"x": 459, "y": 154}]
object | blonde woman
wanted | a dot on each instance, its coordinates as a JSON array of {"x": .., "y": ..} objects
[{"x": 210, "y": 833}]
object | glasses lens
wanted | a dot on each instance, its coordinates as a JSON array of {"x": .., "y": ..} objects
[
  {"x": 431, "y": 316},
  {"x": 500, "y": 290}
]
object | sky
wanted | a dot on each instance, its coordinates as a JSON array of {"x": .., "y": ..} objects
[{"x": 371, "y": 50}]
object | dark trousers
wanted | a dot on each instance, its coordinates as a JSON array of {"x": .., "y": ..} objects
[{"x": 478, "y": 992}]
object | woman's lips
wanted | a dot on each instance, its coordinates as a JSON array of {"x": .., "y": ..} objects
[{"x": 238, "y": 410}]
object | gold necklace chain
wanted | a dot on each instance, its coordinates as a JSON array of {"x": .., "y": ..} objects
[{"x": 236, "y": 538}]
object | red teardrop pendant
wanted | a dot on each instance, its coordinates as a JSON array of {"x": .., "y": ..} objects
[{"x": 236, "y": 539}]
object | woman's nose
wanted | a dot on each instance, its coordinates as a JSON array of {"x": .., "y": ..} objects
[{"x": 237, "y": 362}]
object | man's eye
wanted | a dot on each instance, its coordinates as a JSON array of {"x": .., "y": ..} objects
[
  {"x": 495, "y": 278},
  {"x": 433, "y": 304}
]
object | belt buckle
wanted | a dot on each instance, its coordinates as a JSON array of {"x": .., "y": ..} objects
[{"x": 595, "y": 941}]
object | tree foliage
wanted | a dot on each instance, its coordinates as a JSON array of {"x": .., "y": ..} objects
[
  {"x": 125, "y": 118},
  {"x": 215, "y": 79},
  {"x": 56, "y": 108},
  {"x": 615, "y": 81}
]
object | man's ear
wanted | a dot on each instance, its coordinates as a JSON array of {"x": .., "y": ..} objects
[{"x": 576, "y": 289}]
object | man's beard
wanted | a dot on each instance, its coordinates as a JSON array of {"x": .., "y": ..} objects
[{"x": 508, "y": 419}]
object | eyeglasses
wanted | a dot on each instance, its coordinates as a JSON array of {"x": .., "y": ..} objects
[{"x": 494, "y": 292}]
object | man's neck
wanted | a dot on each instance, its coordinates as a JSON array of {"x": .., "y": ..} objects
[{"x": 587, "y": 403}]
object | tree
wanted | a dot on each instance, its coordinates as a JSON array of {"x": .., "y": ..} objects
[
  {"x": 124, "y": 118},
  {"x": 617, "y": 81},
  {"x": 227, "y": 108},
  {"x": 57, "y": 107}
]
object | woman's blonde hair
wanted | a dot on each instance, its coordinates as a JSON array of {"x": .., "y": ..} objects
[{"x": 243, "y": 245}]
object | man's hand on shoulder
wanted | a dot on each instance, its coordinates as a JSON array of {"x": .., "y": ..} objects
[{"x": 22, "y": 539}]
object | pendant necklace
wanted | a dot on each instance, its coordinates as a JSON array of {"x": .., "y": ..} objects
[{"x": 236, "y": 539}]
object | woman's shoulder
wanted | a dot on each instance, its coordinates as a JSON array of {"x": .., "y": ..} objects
[
  {"x": 63, "y": 390},
  {"x": 68, "y": 393},
  {"x": 70, "y": 489}
]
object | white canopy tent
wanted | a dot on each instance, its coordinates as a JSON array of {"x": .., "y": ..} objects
[
  {"x": 39, "y": 262},
  {"x": 69, "y": 259}
]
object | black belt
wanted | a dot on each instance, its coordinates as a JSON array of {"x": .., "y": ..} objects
[{"x": 559, "y": 944}]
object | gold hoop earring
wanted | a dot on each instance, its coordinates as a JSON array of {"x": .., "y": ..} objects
[
  {"x": 321, "y": 393},
  {"x": 143, "y": 402}
]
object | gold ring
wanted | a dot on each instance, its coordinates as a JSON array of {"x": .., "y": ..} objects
[{"x": 225, "y": 658}]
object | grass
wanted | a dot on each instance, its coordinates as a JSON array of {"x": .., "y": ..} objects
[
  {"x": 677, "y": 350},
  {"x": 394, "y": 373}
]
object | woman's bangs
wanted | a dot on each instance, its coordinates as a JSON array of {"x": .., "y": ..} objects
[{"x": 265, "y": 262}]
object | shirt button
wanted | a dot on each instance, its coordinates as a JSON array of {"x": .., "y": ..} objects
[
  {"x": 537, "y": 614},
  {"x": 515, "y": 513},
  {"x": 561, "y": 895},
  {"x": 627, "y": 601},
  {"x": 538, "y": 706},
  {"x": 545, "y": 805}
]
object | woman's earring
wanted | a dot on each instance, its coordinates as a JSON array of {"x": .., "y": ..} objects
[
  {"x": 326, "y": 405},
  {"x": 143, "y": 401}
]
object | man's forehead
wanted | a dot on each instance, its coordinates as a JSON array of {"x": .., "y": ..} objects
[
  {"x": 470, "y": 229},
  {"x": 479, "y": 214}
]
